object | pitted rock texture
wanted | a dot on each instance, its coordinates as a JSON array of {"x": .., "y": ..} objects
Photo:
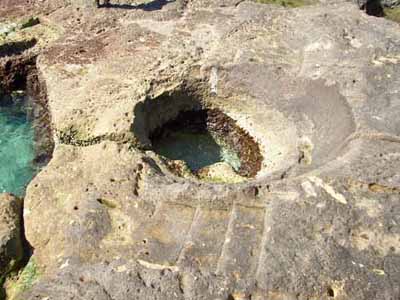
[
  {"x": 317, "y": 87},
  {"x": 11, "y": 244}
]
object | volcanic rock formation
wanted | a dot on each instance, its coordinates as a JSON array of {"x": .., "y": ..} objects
[
  {"x": 316, "y": 88},
  {"x": 11, "y": 241}
]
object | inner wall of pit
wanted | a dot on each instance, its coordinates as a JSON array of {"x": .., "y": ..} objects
[
  {"x": 275, "y": 134},
  {"x": 295, "y": 135}
]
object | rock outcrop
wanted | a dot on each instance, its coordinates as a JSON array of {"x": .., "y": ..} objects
[
  {"x": 317, "y": 87},
  {"x": 11, "y": 242}
]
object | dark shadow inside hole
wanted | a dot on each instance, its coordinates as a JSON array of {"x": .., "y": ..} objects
[
  {"x": 189, "y": 138},
  {"x": 152, "y": 114},
  {"x": 15, "y": 48},
  {"x": 180, "y": 126},
  {"x": 372, "y": 7},
  {"x": 150, "y": 6},
  {"x": 331, "y": 292}
]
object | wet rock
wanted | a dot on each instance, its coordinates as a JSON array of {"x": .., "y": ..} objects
[
  {"x": 11, "y": 245},
  {"x": 180, "y": 168},
  {"x": 219, "y": 173}
]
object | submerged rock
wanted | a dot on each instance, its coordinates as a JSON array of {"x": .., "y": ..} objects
[{"x": 220, "y": 172}]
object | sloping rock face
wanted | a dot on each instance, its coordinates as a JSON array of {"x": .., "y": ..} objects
[
  {"x": 11, "y": 246},
  {"x": 391, "y": 3},
  {"x": 318, "y": 89}
]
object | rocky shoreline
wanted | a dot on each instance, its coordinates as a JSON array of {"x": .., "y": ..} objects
[
  {"x": 12, "y": 245},
  {"x": 315, "y": 87}
]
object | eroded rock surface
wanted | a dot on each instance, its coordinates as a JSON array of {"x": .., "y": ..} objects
[
  {"x": 11, "y": 245},
  {"x": 318, "y": 89}
]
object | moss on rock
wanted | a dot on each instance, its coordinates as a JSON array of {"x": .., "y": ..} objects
[
  {"x": 393, "y": 14},
  {"x": 22, "y": 281}
]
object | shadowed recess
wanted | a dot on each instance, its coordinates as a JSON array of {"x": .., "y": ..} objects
[
  {"x": 205, "y": 137},
  {"x": 150, "y": 6},
  {"x": 16, "y": 48}
]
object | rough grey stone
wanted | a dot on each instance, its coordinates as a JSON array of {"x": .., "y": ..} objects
[
  {"x": 317, "y": 87},
  {"x": 11, "y": 247}
]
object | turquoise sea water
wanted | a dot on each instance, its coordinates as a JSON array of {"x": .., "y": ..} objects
[
  {"x": 198, "y": 150},
  {"x": 16, "y": 149}
]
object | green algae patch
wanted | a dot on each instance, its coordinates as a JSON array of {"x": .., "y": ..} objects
[
  {"x": 288, "y": 3},
  {"x": 22, "y": 281},
  {"x": 392, "y": 14},
  {"x": 77, "y": 136}
]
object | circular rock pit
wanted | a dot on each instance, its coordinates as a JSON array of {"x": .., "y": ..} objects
[{"x": 207, "y": 144}]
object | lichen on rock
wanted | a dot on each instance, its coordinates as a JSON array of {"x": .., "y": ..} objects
[
  {"x": 393, "y": 14},
  {"x": 23, "y": 280}
]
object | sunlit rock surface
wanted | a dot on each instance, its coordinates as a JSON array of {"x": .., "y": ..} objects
[{"x": 317, "y": 88}]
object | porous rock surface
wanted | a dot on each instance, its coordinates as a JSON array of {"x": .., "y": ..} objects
[
  {"x": 11, "y": 245},
  {"x": 317, "y": 87}
]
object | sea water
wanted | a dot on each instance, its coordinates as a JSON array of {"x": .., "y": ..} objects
[
  {"x": 198, "y": 150},
  {"x": 16, "y": 147}
]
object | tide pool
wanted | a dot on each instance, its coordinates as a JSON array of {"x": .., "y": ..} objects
[
  {"x": 16, "y": 147},
  {"x": 198, "y": 150}
]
